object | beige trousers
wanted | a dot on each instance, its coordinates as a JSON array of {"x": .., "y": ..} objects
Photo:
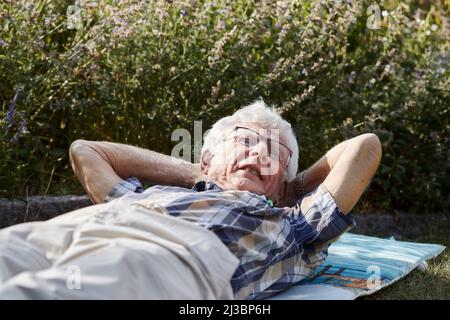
[{"x": 116, "y": 250}]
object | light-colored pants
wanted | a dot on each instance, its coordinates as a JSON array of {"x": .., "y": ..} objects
[{"x": 115, "y": 250}]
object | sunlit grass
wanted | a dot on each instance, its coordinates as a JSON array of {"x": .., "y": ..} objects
[{"x": 434, "y": 281}]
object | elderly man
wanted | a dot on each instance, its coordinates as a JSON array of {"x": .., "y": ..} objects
[{"x": 242, "y": 224}]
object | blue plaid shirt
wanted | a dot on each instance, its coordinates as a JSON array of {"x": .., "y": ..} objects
[{"x": 276, "y": 247}]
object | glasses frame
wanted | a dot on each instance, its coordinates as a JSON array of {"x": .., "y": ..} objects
[{"x": 288, "y": 162}]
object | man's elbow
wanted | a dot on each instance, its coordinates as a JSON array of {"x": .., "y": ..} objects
[
  {"x": 76, "y": 150},
  {"x": 375, "y": 145},
  {"x": 76, "y": 147},
  {"x": 92, "y": 153},
  {"x": 370, "y": 144}
]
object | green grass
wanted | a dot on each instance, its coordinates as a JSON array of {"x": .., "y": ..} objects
[{"x": 431, "y": 284}]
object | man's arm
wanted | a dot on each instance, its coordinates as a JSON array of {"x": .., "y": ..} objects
[
  {"x": 100, "y": 165},
  {"x": 345, "y": 170}
]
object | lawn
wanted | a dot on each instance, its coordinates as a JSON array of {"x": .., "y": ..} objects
[{"x": 434, "y": 282}]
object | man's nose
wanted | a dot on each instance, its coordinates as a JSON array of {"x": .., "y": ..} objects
[{"x": 260, "y": 152}]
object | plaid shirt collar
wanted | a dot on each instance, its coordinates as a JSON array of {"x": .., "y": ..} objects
[
  {"x": 206, "y": 186},
  {"x": 209, "y": 185}
]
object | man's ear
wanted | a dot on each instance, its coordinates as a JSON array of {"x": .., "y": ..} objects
[{"x": 205, "y": 161}]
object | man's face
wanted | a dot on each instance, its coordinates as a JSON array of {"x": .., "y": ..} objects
[{"x": 249, "y": 158}]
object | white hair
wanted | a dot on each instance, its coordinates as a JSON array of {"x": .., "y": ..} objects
[{"x": 257, "y": 112}]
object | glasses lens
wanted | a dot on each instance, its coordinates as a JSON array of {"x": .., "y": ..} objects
[{"x": 275, "y": 149}]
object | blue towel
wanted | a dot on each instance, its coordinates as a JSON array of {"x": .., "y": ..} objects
[{"x": 359, "y": 265}]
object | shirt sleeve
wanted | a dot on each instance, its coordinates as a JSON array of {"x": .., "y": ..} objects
[
  {"x": 319, "y": 222},
  {"x": 130, "y": 185}
]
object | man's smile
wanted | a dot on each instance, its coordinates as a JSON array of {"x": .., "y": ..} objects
[{"x": 252, "y": 170}]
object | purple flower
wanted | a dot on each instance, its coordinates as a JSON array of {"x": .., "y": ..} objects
[
  {"x": 15, "y": 138},
  {"x": 21, "y": 131},
  {"x": 184, "y": 12},
  {"x": 23, "y": 127},
  {"x": 12, "y": 108},
  {"x": 2, "y": 42},
  {"x": 222, "y": 24},
  {"x": 10, "y": 114},
  {"x": 433, "y": 136}
]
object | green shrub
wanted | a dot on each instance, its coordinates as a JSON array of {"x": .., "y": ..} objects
[{"x": 133, "y": 71}]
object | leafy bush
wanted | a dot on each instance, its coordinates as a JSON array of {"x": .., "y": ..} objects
[{"x": 133, "y": 71}]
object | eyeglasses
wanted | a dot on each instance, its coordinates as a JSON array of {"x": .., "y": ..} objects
[{"x": 250, "y": 138}]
